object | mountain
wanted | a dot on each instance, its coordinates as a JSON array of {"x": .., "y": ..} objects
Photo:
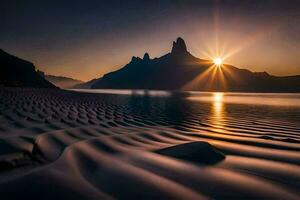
[
  {"x": 180, "y": 70},
  {"x": 86, "y": 85},
  {"x": 16, "y": 72},
  {"x": 63, "y": 82}
]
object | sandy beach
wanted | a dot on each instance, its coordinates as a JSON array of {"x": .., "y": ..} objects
[{"x": 57, "y": 144}]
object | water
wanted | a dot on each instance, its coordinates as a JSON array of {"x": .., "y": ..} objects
[{"x": 215, "y": 107}]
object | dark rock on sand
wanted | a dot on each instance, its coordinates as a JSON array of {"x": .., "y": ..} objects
[{"x": 200, "y": 152}]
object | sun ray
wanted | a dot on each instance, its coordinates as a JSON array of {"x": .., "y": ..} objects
[
  {"x": 217, "y": 51},
  {"x": 198, "y": 80}
]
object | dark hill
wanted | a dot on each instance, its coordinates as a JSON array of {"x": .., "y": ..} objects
[
  {"x": 179, "y": 70},
  {"x": 85, "y": 85},
  {"x": 62, "y": 81},
  {"x": 16, "y": 72}
]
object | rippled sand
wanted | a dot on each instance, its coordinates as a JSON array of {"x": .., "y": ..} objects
[{"x": 69, "y": 145}]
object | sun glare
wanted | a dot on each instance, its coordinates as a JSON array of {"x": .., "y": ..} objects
[
  {"x": 218, "y": 61},
  {"x": 217, "y": 97}
]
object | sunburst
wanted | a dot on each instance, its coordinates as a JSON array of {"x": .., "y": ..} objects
[{"x": 218, "y": 61}]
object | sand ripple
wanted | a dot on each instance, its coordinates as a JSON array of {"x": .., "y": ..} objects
[{"x": 67, "y": 145}]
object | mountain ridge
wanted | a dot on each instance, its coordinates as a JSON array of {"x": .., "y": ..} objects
[
  {"x": 17, "y": 72},
  {"x": 180, "y": 70}
]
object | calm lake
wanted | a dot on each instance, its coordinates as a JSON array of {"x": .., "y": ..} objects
[{"x": 217, "y": 107}]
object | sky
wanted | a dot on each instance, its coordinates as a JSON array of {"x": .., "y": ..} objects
[{"x": 86, "y": 39}]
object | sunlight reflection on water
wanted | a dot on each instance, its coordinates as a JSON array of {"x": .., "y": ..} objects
[
  {"x": 217, "y": 104},
  {"x": 248, "y": 98},
  {"x": 218, "y": 111}
]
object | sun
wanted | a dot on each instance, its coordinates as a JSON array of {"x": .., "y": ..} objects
[{"x": 218, "y": 61}]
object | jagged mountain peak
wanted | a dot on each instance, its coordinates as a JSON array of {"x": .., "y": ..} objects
[
  {"x": 146, "y": 57},
  {"x": 179, "y": 46},
  {"x": 135, "y": 59}
]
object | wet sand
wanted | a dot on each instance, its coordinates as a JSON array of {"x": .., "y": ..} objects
[{"x": 57, "y": 144}]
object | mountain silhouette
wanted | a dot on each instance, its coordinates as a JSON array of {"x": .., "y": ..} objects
[
  {"x": 62, "y": 81},
  {"x": 16, "y": 72},
  {"x": 85, "y": 85},
  {"x": 180, "y": 70}
]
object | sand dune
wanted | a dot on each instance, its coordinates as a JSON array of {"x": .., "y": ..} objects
[{"x": 57, "y": 144}]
